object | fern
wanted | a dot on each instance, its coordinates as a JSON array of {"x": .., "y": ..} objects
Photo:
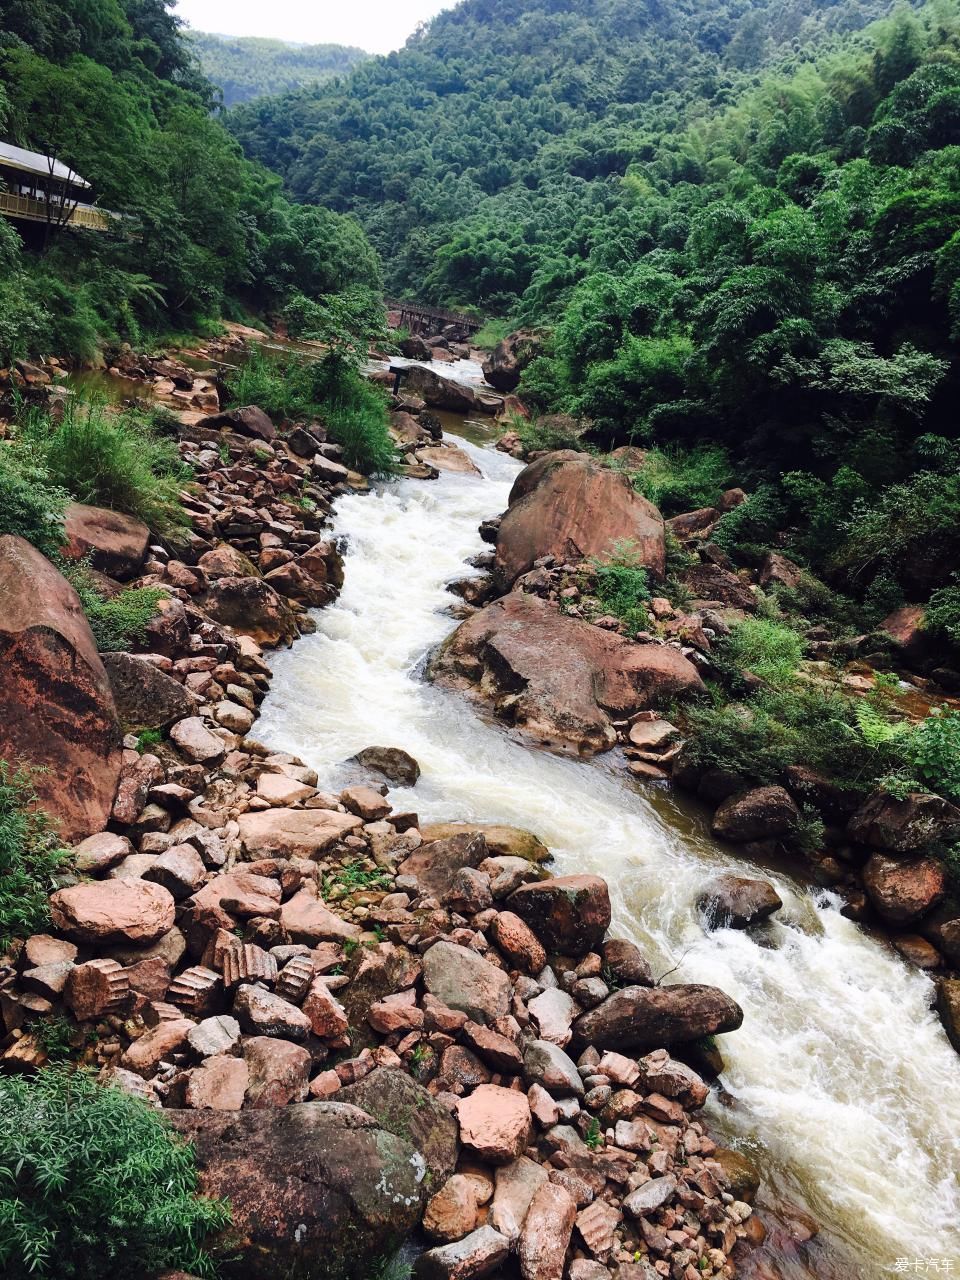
[{"x": 876, "y": 728}]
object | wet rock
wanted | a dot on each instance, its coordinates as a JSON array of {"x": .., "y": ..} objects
[
  {"x": 494, "y": 1123},
  {"x": 569, "y": 914},
  {"x": 145, "y": 698},
  {"x": 902, "y": 891},
  {"x": 759, "y": 814},
  {"x": 56, "y": 707},
  {"x": 403, "y": 1106},
  {"x": 312, "y": 1187},
  {"x": 735, "y": 902},
  {"x": 743, "y": 1176},
  {"x": 502, "y": 841},
  {"x": 558, "y": 678},
  {"x": 626, "y": 963},
  {"x": 918, "y": 951},
  {"x": 903, "y": 826},
  {"x": 395, "y": 764},
  {"x": 476, "y": 1255},
  {"x": 948, "y": 1007},
  {"x": 116, "y": 543},
  {"x": 464, "y": 980},
  {"x": 577, "y": 510},
  {"x": 106, "y": 911},
  {"x": 644, "y": 1018},
  {"x": 546, "y": 1233},
  {"x": 446, "y": 457}
]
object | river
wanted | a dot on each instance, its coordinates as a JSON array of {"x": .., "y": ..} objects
[{"x": 841, "y": 1080}]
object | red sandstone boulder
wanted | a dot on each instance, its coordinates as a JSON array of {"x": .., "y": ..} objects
[
  {"x": 56, "y": 707},
  {"x": 494, "y": 1123},
  {"x": 104, "y": 911},
  {"x": 759, "y": 814},
  {"x": 560, "y": 679},
  {"x": 905, "y": 627},
  {"x": 735, "y": 902},
  {"x": 251, "y": 607},
  {"x": 116, "y": 543},
  {"x": 502, "y": 368},
  {"x": 578, "y": 510},
  {"x": 901, "y": 891},
  {"x": 569, "y": 914},
  {"x": 903, "y": 826},
  {"x": 246, "y": 421},
  {"x": 644, "y": 1018}
]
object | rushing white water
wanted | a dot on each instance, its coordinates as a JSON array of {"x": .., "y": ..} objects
[{"x": 840, "y": 1077}]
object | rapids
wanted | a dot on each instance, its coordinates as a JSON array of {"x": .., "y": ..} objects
[{"x": 841, "y": 1081}]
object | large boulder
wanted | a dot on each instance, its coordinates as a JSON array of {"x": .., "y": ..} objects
[
  {"x": 56, "y": 706},
  {"x": 508, "y": 359},
  {"x": 105, "y": 911},
  {"x": 578, "y": 510},
  {"x": 560, "y": 679},
  {"x": 903, "y": 826},
  {"x": 569, "y": 915},
  {"x": 248, "y": 420},
  {"x": 294, "y": 833},
  {"x": 116, "y": 543},
  {"x": 316, "y": 1189},
  {"x": 463, "y": 980},
  {"x": 901, "y": 891},
  {"x": 762, "y": 813},
  {"x": 396, "y": 765},
  {"x": 402, "y": 1106},
  {"x": 644, "y": 1018},
  {"x": 252, "y": 607},
  {"x": 145, "y": 698},
  {"x": 436, "y": 862},
  {"x": 443, "y": 393},
  {"x": 502, "y": 841},
  {"x": 735, "y": 902}
]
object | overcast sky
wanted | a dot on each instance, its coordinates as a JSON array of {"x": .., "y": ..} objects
[{"x": 375, "y": 25}]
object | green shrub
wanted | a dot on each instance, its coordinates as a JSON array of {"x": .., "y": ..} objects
[
  {"x": 620, "y": 586},
  {"x": 112, "y": 460},
  {"x": 916, "y": 522},
  {"x": 932, "y": 751},
  {"x": 269, "y": 383},
  {"x": 490, "y": 333},
  {"x": 768, "y": 649},
  {"x": 355, "y": 412},
  {"x": 942, "y": 615},
  {"x": 549, "y": 432},
  {"x": 94, "y": 1183},
  {"x": 117, "y": 622},
  {"x": 747, "y": 531},
  {"x": 677, "y": 480},
  {"x": 30, "y": 858},
  {"x": 31, "y": 504}
]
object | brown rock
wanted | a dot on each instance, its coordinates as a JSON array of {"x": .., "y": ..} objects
[
  {"x": 249, "y": 420},
  {"x": 496, "y": 1050},
  {"x": 626, "y": 963},
  {"x": 146, "y": 1054},
  {"x": 112, "y": 911},
  {"x": 197, "y": 742},
  {"x": 557, "y": 677},
  {"x": 145, "y": 698},
  {"x": 252, "y": 607},
  {"x": 278, "y": 1071},
  {"x": 948, "y": 1007},
  {"x": 219, "y": 1084},
  {"x": 402, "y": 1106},
  {"x": 307, "y": 920},
  {"x": 96, "y": 988},
  {"x": 578, "y": 510},
  {"x": 505, "y": 363},
  {"x": 516, "y": 1185},
  {"x": 294, "y": 833},
  {"x": 759, "y": 814},
  {"x": 502, "y": 841},
  {"x": 452, "y": 1212},
  {"x": 365, "y": 803},
  {"x": 261, "y": 1013},
  {"x": 476, "y": 1255},
  {"x": 735, "y": 902},
  {"x": 694, "y": 525},
  {"x": 327, "y": 1017},
  {"x": 56, "y": 707},
  {"x": 518, "y": 942},
  {"x": 494, "y": 1123},
  {"x": 395, "y": 764},
  {"x": 179, "y": 869},
  {"x": 569, "y": 914},
  {"x": 463, "y": 980},
  {"x": 903, "y": 826},
  {"x": 100, "y": 852},
  {"x": 902, "y": 891},
  {"x": 116, "y": 543},
  {"x": 644, "y": 1018},
  {"x": 313, "y": 1187},
  {"x": 546, "y": 1233},
  {"x": 436, "y": 862}
]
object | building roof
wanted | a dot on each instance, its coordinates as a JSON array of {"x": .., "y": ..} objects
[{"x": 33, "y": 162}]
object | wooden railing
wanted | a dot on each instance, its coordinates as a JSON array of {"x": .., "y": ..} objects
[
  {"x": 33, "y": 210},
  {"x": 415, "y": 317}
]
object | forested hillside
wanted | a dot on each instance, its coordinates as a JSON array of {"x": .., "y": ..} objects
[
  {"x": 248, "y": 67},
  {"x": 110, "y": 87}
]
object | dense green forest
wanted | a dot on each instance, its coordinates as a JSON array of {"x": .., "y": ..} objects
[
  {"x": 110, "y": 87},
  {"x": 248, "y": 67},
  {"x": 739, "y": 227}
]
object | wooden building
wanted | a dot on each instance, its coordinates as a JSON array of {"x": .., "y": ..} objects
[{"x": 38, "y": 188}]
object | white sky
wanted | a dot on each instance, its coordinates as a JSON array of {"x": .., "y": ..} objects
[{"x": 375, "y": 25}]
